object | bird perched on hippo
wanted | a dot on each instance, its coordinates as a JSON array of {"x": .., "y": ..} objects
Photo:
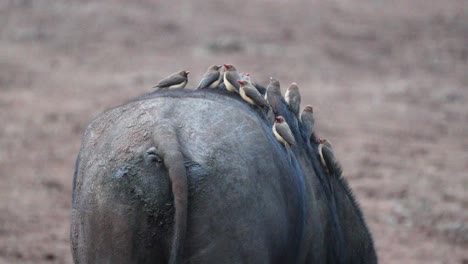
[
  {"x": 273, "y": 95},
  {"x": 176, "y": 80},
  {"x": 250, "y": 94},
  {"x": 212, "y": 77},
  {"x": 231, "y": 78},
  {"x": 293, "y": 98}
]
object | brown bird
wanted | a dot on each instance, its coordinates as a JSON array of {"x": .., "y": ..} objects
[
  {"x": 273, "y": 94},
  {"x": 230, "y": 78},
  {"x": 327, "y": 158},
  {"x": 283, "y": 133},
  {"x": 211, "y": 78},
  {"x": 176, "y": 80},
  {"x": 307, "y": 120},
  {"x": 293, "y": 98},
  {"x": 250, "y": 94}
]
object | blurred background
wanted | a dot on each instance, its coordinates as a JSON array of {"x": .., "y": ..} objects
[{"x": 388, "y": 81}]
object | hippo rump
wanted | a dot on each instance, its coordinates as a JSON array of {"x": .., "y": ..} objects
[{"x": 197, "y": 176}]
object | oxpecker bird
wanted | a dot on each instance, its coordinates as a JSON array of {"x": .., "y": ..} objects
[
  {"x": 273, "y": 94},
  {"x": 307, "y": 120},
  {"x": 231, "y": 78},
  {"x": 211, "y": 78},
  {"x": 175, "y": 80},
  {"x": 293, "y": 98},
  {"x": 327, "y": 158},
  {"x": 283, "y": 134},
  {"x": 250, "y": 94}
]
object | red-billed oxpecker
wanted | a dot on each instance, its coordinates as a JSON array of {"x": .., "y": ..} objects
[
  {"x": 293, "y": 98},
  {"x": 176, "y": 80},
  {"x": 231, "y": 78},
  {"x": 212, "y": 77},
  {"x": 283, "y": 134}
]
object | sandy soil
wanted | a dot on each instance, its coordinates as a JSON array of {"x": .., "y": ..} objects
[{"x": 388, "y": 80}]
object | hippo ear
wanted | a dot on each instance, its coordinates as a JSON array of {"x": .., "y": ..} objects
[{"x": 152, "y": 155}]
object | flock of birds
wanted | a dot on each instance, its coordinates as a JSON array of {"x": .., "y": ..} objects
[{"x": 227, "y": 77}]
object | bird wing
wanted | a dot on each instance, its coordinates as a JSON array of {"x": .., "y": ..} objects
[
  {"x": 171, "y": 80},
  {"x": 209, "y": 78},
  {"x": 255, "y": 95},
  {"x": 233, "y": 77},
  {"x": 285, "y": 132},
  {"x": 273, "y": 99},
  {"x": 294, "y": 101}
]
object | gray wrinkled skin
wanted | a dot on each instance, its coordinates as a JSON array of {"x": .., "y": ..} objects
[{"x": 247, "y": 203}]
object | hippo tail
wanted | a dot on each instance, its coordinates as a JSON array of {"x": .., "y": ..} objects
[{"x": 167, "y": 143}]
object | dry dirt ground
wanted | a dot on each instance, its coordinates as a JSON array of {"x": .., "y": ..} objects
[{"x": 388, "y": 79}]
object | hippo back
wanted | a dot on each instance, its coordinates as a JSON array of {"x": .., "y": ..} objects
[{"x": 247, "y": 202}]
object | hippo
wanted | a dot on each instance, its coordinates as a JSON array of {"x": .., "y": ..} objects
[{"x": 197, "y": 176}]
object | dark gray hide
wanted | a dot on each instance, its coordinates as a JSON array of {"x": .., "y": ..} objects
[{"x": 247, "y": 203}]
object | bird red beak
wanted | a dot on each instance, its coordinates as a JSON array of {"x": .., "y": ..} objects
[
  {"x": 240, "y": 82},
  {"x": 277, "y": 119},
  {"x": 248, "y": 74},
  {"x": 225, "y": 65}
]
